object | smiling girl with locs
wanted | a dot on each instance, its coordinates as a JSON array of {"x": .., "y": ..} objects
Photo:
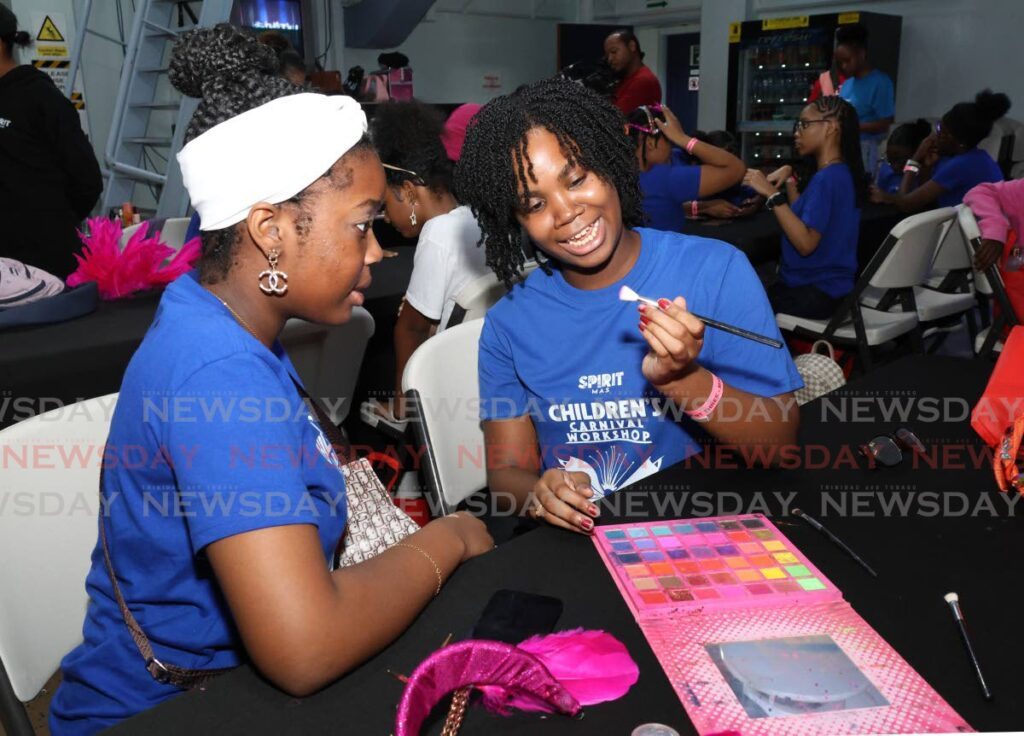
[{"x": 554, "y": 159}]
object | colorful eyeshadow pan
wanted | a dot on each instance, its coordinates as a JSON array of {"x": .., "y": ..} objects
[{"x": 708, "y": 562}]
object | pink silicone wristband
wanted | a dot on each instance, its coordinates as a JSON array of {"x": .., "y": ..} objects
[
  {"x": 694, "y": 212},
  {"x": 704, "y": 411},
  {"x": 690, "y": 145}
]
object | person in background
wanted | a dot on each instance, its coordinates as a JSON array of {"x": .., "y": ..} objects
[
  {"x": 999, "y": 209},
  {"x": 667, "y": 181},
  {"x": 820, "y": 226},
  {"x": 419, "y": 203},
  {"x": 638, "y": 85},
  {"x": 901, "y": 145},
  {"x": 49, "y": 177},
  {"x": 948, "y": 163},
  {"x": 737, "y": 200},
  {"x": 454, "y": 132},
  {"x": 869, "y": 90}
]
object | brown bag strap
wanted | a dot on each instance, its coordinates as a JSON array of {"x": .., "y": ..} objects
[{"x": 164, "y": 673}]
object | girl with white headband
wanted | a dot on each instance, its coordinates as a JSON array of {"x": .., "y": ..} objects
[{"x": 224, "y": 502}]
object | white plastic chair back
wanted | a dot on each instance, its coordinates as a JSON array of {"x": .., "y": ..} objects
[
  {"x": 49, "y": 491},
  {"x": 479, "y": 296},
  {"x": 443, "y": 374},
  {"x": 173, "y": 231},
  {"x": 328, "y": 358},
  {"x": 909, "y": 261},
  {"x": 971, "y": 235},
  {"x": 953, "y": 252}
]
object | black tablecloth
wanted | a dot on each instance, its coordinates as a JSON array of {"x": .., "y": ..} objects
[
  {"x": 759, "y": 235},
  {"x": 919, "y": 556},
  {"x": 43, "y": 367}
]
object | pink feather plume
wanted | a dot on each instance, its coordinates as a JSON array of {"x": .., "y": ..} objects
[
  {"x": 593, "y": 666},
  {"x": 142, "y": 263}
]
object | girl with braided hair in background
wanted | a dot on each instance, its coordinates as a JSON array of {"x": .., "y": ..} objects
[
  {"x": 820, "y": 226},
  {"x": 578, "y": 399},
  {"x": 223, "y": 543}
]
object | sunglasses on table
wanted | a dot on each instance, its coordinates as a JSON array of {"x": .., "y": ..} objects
[{"x": 887, "y": 449}]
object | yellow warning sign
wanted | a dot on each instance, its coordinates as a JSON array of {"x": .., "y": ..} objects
[
  {"x": 52, "y": 51},
  {"x": 735, "y": 29},
  {"x": 849, "y": 18},
  {"x": 778, "y": 24},
  {"x": 49, "y": 32}
]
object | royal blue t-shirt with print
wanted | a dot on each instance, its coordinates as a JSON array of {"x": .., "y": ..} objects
[
  {"x": 828, "y": 205},
  {"x": 571, "y": 359},
  {"x": 961, "y": 173},
  {"x": 209, "y": 439},
  {"x": 665, "y": 187}
]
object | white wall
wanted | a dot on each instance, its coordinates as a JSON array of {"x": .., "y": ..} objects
[{"x": 450, "y": 54}]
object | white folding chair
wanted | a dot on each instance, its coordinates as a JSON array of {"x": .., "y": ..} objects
[
  {"x": 172, "y": 232},
  {"x": 477, "y": 297},
  {"x": 949, "y": 291},
  {"x": 328, "y": 358},
  {"x": 48, "y": 528},
  {"x": 441, "y": 381},
  {"x": 868, "y": 316},
  {"x": 988, "y": 283}
]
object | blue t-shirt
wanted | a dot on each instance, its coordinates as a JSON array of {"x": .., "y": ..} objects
[
  {"x": 570, "y": 358},
  {"x": 872, "y": 97},
  {"x": 828, "y": 205},
  {"x": 209, "y": 439},
  {"x": 961, "y": 173},
  {"x": 887, "y": 179},
  {"x": 665, "y": 187}
]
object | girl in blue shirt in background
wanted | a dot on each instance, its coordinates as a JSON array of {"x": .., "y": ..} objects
[
  {"x": 667, "y": 180},
  {"x": 578, "y": 397},
  {"x": 869, "y": 90},
  {"x": 223, "y": 538},
  {"x": 899, "y": 148},
  {"x": 948, "y": 163},
  {"x": 820, "y": 226}
]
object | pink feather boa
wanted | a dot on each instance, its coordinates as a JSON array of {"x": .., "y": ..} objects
[{"x": 142, "y": 264}]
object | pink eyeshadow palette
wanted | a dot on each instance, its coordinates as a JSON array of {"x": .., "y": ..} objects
[{"x": 710, "y": 559}]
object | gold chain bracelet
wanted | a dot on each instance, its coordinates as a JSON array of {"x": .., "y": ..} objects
[{"x": 437, "y": 570}]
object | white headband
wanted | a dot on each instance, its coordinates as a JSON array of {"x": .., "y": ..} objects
[{"x": 226, "y": 173}]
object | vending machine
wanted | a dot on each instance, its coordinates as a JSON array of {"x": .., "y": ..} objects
[{"x": 773, "y": 63}]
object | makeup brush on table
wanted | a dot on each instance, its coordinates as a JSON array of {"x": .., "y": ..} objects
[
  {"x": 628, "y": 295},
  {"x": 835, "y": 540},
  {"x": 954, "y": 604}
]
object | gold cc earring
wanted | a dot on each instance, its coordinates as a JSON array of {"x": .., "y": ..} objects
[{"x": 277, "y": 281}]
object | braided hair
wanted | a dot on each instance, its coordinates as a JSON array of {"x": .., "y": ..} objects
[
  {"x": 849, "y": 140},
  {"x": 494, "y": 162},
  {"x": 910, "y": 135},
  {"x": 232, "y": 73},
  {"x": 408, "y": 135},
  {"x": 643, "y": 117}
]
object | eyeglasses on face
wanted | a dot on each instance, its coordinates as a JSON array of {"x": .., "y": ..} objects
[{"x": 802, "y": 124}]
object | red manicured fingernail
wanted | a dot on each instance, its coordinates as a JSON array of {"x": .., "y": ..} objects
[
  {"x": 642, "y": 307},
  {"x": 664, "y": 303},
  {"x": 587, "y": 524},
  {"x": 642, "y": 327},
  {"x": 593, "y": 510},
  {"x": 645, "y": 320}
]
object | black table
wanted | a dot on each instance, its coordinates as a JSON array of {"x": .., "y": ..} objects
[
  {"x": 44, "y": 367},
  {"x": 759, "y": 235},
  {"x": 919, "y": 558}
]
